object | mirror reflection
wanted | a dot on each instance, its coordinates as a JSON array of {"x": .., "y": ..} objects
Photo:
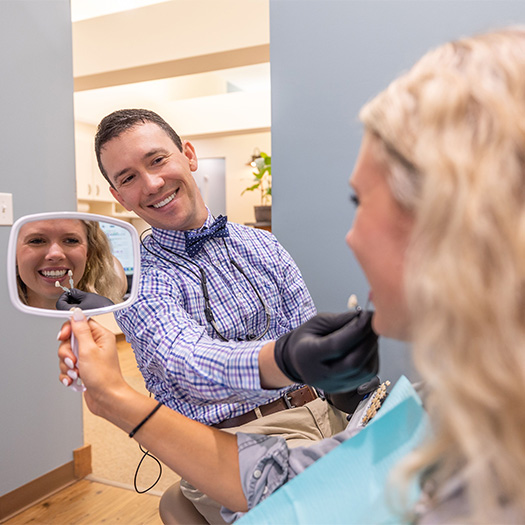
[{"x": 62, "y": 263}]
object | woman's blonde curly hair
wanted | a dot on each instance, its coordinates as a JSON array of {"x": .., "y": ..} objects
[
  {"x": 452, "y": 130},
  {"x": 101, "y": 276}
]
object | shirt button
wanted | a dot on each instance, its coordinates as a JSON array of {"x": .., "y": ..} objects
[
  {"x": 265, "y": 491},
  {"x": 257, "y": 474}
]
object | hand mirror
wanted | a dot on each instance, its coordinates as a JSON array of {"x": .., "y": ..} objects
[{"x": 61, "y": 260}]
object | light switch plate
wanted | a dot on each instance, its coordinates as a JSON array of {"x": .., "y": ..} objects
[{"x": 6, "y": 209}]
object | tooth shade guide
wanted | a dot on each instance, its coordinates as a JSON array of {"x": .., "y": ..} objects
[
  {"x": 58, "y": 285},
  {"x": 375, "y": 403},
  {"x": 352, "y": 302}
]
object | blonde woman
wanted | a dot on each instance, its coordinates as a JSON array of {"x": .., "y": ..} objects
[
  {"x": 452, "y": 133},
  {"x": 440, "y": 234}
]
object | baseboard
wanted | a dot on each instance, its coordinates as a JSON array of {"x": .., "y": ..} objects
[
  {"x": 31, "y": 493},
  {"x": 119, "y": 485},
  {"x": 82, "y": 461}
]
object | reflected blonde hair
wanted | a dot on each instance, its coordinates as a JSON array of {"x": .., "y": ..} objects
[
  {"x": 452, "y": 130},
  {"x": 100, "y": 276}
]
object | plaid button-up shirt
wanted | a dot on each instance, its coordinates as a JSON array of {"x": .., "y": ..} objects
[{"x": 184, "y": 363}]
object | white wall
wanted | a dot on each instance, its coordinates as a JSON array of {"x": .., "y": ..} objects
[
  {"x": 173, "y": 39},
  {"x": 168, "y": 32},
  {"x": 237, "y": 149},
  {"x": 41, "y": 421}
]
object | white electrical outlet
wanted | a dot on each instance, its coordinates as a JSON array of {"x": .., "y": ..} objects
[{"x": 6, "y": 209}]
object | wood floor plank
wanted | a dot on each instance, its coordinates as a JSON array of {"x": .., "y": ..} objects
[{"x": 91, "y": 503}]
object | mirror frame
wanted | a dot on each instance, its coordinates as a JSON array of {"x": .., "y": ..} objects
[{"x": 11, "y": 262}]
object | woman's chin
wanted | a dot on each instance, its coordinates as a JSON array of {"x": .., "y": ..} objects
[
  {"x": 387, "y": 327},
  {"x": 376, "y": 324}
]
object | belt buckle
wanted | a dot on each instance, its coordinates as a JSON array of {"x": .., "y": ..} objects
[{"x": 287, "y": 401}]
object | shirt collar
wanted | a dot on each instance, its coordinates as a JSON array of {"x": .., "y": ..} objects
[{"x": 174, "y": 239}]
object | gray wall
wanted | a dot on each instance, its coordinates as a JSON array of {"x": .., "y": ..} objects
[
  {"x": 328, "y": 57},
  {"x": 41, "y": 421}
]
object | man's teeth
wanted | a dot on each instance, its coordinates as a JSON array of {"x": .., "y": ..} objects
[
  {"x": 54, "y": 273},
  {"x": 165, "y": 201}
]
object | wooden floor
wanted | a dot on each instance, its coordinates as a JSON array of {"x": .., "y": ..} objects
[{"x": 90, "y": 503}]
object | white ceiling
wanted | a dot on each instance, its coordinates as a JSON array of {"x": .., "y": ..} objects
[{"x": 92, "y": 105}]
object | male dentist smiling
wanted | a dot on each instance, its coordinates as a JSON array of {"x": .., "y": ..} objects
[{"x": 211, "y": 294}]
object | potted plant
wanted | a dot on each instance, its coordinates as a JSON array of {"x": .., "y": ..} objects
[{"x": 263, "y": 183}]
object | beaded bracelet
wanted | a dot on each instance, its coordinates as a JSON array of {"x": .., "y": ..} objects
[{"x": 136, "y": 429}]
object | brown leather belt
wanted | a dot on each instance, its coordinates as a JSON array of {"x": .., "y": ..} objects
[{"x": 294, "y": 399}]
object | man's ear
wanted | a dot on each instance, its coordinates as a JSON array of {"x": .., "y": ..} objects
[
  {"x": 119, "y": 199},
  {"x": 189, "y": 152}
]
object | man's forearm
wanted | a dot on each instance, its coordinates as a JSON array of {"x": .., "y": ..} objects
[{"x": 270, "y": 375}]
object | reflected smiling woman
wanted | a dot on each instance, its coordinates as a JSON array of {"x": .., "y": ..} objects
[{"x": 65, "y": 251}]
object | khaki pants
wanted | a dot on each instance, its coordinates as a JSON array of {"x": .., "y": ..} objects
[{"x": 302, "y": 426}]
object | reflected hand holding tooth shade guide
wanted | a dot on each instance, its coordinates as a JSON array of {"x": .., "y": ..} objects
[{"x": 71, "y": 283}]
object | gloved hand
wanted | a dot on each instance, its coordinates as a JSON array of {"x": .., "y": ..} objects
[
  {"x": 348, "y": 401},
  {"x": 83, "y": 300},
  {"x": 333, "y": 352}
]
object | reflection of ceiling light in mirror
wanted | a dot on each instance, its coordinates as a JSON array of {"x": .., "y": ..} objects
[{"x": 83, "y": 9}]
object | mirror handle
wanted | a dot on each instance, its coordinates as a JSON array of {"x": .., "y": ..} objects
[{"x": 76, "y": 385}]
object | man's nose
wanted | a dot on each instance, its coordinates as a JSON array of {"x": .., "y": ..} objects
[{"x": 152, "y": 183}]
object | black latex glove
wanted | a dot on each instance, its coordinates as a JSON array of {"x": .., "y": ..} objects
[
  {"x": 348, "y": 401},
  {"x": 84, "y": 300},
  {"x": 333, "y": 352}
]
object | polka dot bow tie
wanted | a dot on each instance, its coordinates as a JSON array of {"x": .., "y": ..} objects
[{"x": 195, "y": 240}]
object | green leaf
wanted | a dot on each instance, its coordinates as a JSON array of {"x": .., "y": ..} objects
[
  {"x": 251, "y": 188},
  {"x": 262, "y": 175}
]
